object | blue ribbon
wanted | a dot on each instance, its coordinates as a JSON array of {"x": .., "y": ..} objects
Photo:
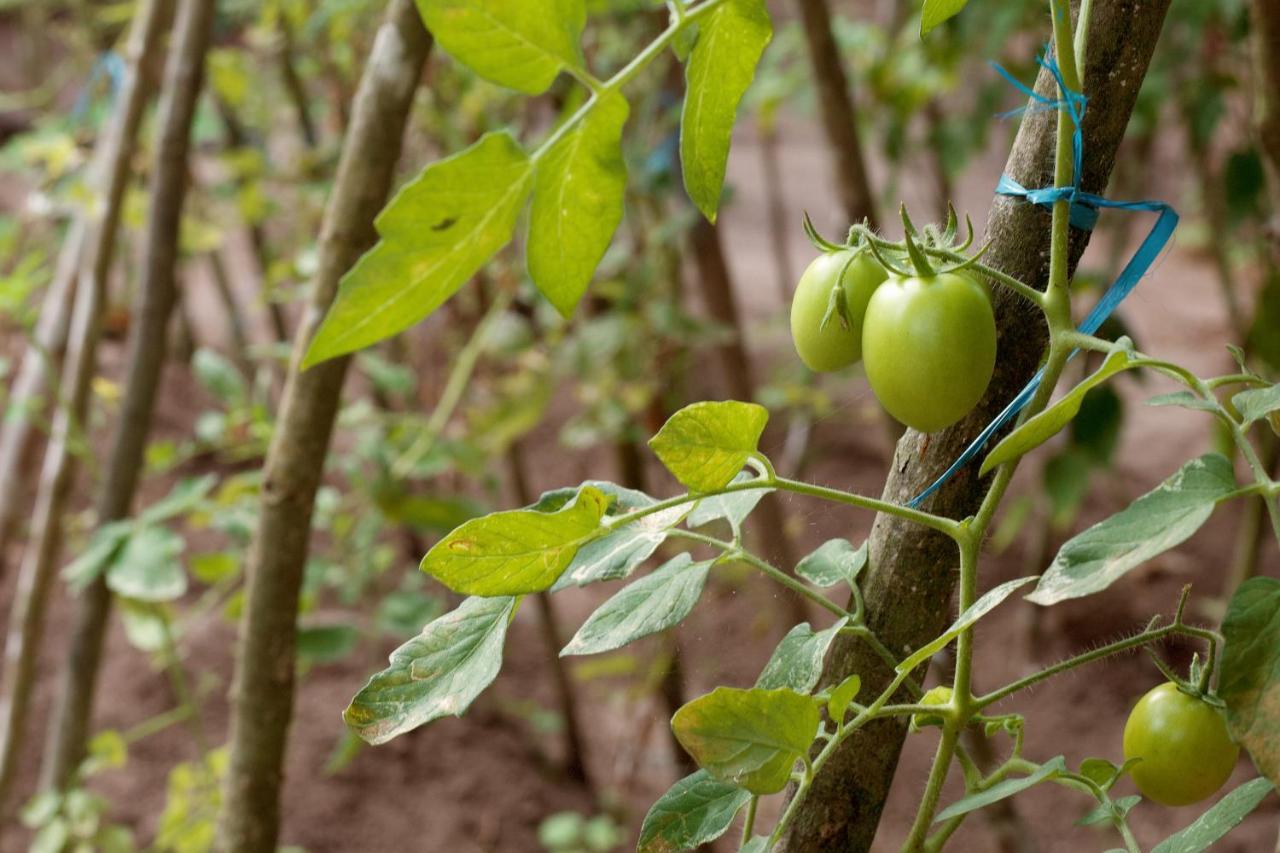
[{"x": 1085, "y": 208}]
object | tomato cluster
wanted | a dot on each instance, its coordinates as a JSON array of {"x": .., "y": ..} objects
[{"x": 928, "y": 340}]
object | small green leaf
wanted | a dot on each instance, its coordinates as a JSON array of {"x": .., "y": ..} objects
[
  {"x": 184, "y": 497},
  {"x": 696, "y": 810},
  {"x": 520, "y": 44},
  {"x": 440, "y": 228},
  {"x": 1249, "y": 678},
  {"x": 578, "y": 189},
  {"x": 620, "y": 552},
  {"x": 835, "y": 561},
  {"x": 797, "y": 661},
  {"x": 1224, "y": 816},
  {"x": 652, "y": 604},
  {"x": 1256, "y": 403},
  {"x": 149, "y": 566},
  {"x": 966, "y": 620},
  {"x": 1003, "y": 790},
  {"x": 515, "y": 552},
  {"x": 1185, "y": 399},
  {"x": 1151, "y": 525},
  {"x": 101, "y": 551},
  {"x": 1103, "y": 772},
  {"x": 750, "y": 738},
  {"x": 936, "y": 12},
  {"x": 438, "y": 673},
  {"x": 719, "y": 72},
  {"x": 705, "y": 445},
  {"x": 1050, "y": 422},
  {"x": 842, "y": 696},
  {"x": 733, "y": 507}
]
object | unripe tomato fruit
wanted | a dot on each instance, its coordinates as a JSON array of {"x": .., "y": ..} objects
[
  {"x": 835, "y": 346},
  {"x": 930, "y": 347},
  {"x": 1186, "y": 752}
]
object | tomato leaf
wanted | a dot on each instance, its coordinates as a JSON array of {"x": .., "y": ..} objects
[
  {"x": 1256, "y": 403},
  {"x": 705, "y": 445},
  {"x": 518, "y": 551},
  {"x": 1224, "y": 816},
  {"x": 936, "y": 12},
  {"x": 733, "y": 508},
  {"x": 1003, "y": 790},
  {"x": 835, "y": 561},
  {"x": 438, "y": 673},
  {"x": 520, "y": 44},
  {"x": 1249, "y": 680},
  {"x": 797, "y": 661},
  {"x": 619, "y": 553},
  {"x": 966, "y": 620},
  {"x": 842, "y": 695},
  {"x": 440, "y": 228},
  {"x": 1151, "y": 525},
  {"x": 750, "y": 738},
  {"x": 719, "y": 71},
  {"x": 654, "y": 603},
  {"x": 697, "y": 809},
  {"x": 1044, "y": 426},
  {"x": 578, "y": 188},
  {"x": 1185, "y": 399},
  {"x": 149, "y": 566}
]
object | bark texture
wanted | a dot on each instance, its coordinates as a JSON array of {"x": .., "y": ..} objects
[
  {"x": 183, "y": 77},
  {"x": 263, "y": 686},
  {"x": 839, "y": 117},
  {"x": 909, "y": 584}
]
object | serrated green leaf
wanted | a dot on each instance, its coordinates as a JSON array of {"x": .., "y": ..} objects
[
  {"x": 1003, "y": 790},
  {"x": 654, "y": 603},
  {"x": 515, "y": 552},
  {"x": 148, "y": 567},
  {"x": 1151, "y": 525},
  {"x": 438, "y": 673},
  {"x": 717, "y": 75},
  {"x": 936, "y": 12},
  {"x": 520, "y": 44},
  {"x": 1224, "y": 816},
  {"x": 966, "y": 620},
  {"x": 835, "y": 561},
  {"x": 705, "y": 445},
  {"x": 440, "y": 228},
  {"x": 1050, "y": 422},
  {"x": 796, "y": 663},
  {"x": 750, "y": 738},
  {"x": 697, "y": 809},
  {"x": 578, "y": 191},
  {"x": 1256, "y": 403},
  {"x": 733, "y": 508},
  {"x": 842, "y": 695},
  {"x": 1249, "y": 677}
]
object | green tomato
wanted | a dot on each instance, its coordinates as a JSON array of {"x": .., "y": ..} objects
[
  {"x": 835, "y": 346},
  {"x": 930, "y": 347},
  {"x": 1186, "y": 752}
]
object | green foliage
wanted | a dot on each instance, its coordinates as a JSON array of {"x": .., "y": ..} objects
[
  {"x": 835, "y": 561},
  {"x": 1250, "y": 677},
  {"x": 652, "y": 604},
  {"x": 1151, "y": 525},
  {"x": 936, "y": 12},
  {"x": 730, "y": 42},
  {"x": 516, "y": 552},
  {"x": 438, "y": 673},
  {"x": 1003, "y": 790},
  {"x": 696, "y": 810},
  {"x": 188, "y": 823},
  {"x": 796, "y": 663},
  {"x": 705, "y": 445},
  {"x": 748, "y": 737},
  {"x": 570, "y": 832},
  {"x": 966, "y": 620},
  {"x": 520, "y": 44},
  {"x": 1215, "y": 823}
]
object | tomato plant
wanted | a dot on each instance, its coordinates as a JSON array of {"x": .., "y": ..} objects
[
  {"x": 1180, "y": 742},
  {"x": 829, "y": 305}
]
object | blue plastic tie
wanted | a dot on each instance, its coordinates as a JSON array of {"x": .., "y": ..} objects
[{"x": 1085, "y": 208}]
